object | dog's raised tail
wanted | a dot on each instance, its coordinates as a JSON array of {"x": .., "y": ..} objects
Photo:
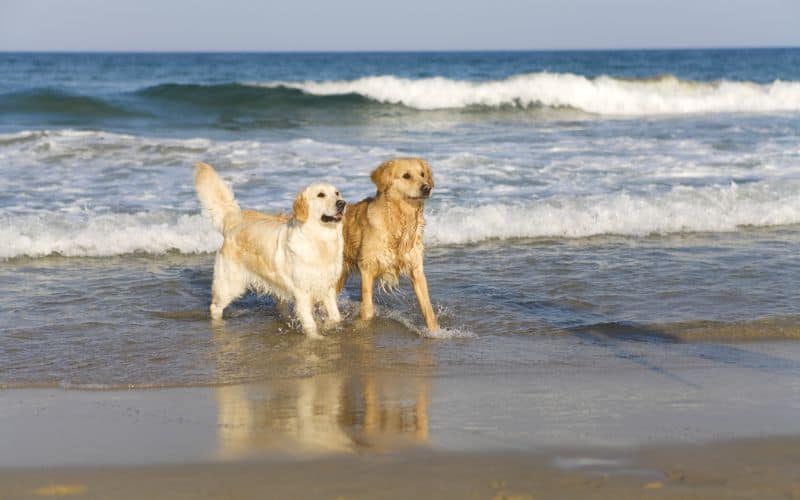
[{"x": 215, "y": 196}]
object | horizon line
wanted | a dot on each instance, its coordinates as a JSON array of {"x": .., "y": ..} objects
[{"x": 393, "y": 51}]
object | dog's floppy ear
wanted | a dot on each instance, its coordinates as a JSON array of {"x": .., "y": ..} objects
[
  {"x": 381, "y": 176},
  {"x": 300, "y": 207},
  {"x": 428, "y": 173}
]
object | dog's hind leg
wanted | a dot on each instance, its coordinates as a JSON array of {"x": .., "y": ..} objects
[
  {"x": 229, "y": 283},
  {"x": 342, "y": 279}
]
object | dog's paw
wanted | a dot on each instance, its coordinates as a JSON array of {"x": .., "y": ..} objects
[
  {"x": 314, "y": 335},
  {"x": 330, "y": 325},
  {"x": 216, "y": 311}
]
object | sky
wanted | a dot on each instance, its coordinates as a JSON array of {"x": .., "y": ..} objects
[{"x": 366, "y": 25}]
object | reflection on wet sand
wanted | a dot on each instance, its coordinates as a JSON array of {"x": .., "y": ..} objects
[{"x": 345, "y": 405}]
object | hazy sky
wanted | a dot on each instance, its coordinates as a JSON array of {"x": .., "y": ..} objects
[{"x": 287, "y": 25}]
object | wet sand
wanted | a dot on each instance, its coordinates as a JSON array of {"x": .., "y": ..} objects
[
  {"x": 643, "y": 420},
  {"x": 763, "y": 469}
]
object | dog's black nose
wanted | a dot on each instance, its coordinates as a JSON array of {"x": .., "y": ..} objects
[
  {"x": 425, "y": 189},
  {"x": 340, "y": 205}
]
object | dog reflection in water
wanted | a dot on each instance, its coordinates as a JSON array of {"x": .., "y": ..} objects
[{"x": 322, "y": 414}]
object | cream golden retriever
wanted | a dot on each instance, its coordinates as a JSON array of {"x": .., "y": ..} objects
[
  {"x": 295, "y": 259},
  {"x": 383, "y": 234}
]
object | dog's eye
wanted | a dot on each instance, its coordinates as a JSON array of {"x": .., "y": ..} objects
[
  {"x": 422, "y": 174},
  {"x": 321, "y": 195},
  {"x": 406, "y": 175},
  {"x": 337, "y": 193}
]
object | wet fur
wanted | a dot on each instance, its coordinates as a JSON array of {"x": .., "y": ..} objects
[
  {"x": 383, "y": 234},
  {"x": 295, "y": 258}
]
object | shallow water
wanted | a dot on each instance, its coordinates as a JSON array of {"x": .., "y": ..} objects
[
  {"x": 586, "y": 204},
  {"x": 139, "y": 320}
]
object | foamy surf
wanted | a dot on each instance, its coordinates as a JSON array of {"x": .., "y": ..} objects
[
  {"x": 681, "y": 210},
  {"x": 413, "y": 322},
  {"x": 105, "y": 235},
  {"x": 601, "y": 95}
]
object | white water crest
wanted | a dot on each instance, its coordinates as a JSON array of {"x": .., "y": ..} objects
[
  {"x": 602, "y": 95},
  {"x": 105, "y": 235},
  {"x": 681, "y": 210}
]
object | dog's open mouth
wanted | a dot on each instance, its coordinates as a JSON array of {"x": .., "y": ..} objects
[{"x": 332, "y": 218}]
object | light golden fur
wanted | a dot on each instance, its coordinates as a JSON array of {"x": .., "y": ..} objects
[
  {"x": 296, "y": 259},
  {"x": 383, "y": 234}
]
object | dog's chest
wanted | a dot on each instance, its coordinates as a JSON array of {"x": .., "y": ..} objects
[
  {"x": 404, "y": 245},
  {"x": 317, "y": 263}
]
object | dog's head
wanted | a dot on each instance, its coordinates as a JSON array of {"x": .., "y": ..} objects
[
  {"x": 407, "y": 178},
  {"x": 319, "y": 202}
]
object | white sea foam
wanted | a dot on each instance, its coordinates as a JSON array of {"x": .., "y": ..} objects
[
  {"x": 707, "y": 209},
  {"x": 105, "y": 235},
  {"x": 684, "y": 209},
  {"x": 415, "y": 323},
  {"x": 602, "y": 95}
]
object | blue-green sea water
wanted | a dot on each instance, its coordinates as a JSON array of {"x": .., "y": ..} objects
[{"x": 595, "y": 198}]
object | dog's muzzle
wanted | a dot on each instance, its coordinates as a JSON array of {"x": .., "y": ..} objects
[
  {"x": 424, "y": 193},
  {"x": 339, "y": 212}
]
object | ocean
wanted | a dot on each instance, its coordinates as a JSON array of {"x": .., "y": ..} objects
[{"x": 588, "y": 205}]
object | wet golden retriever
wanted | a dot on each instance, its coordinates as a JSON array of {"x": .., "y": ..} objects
[
  {"x": 295, "y": 259},
  {"x": 383, "y": 234}
]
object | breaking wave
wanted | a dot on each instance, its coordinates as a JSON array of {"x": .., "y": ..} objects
[
  {"x": 105, "y": 235},
  {"x": 232, "y": 95},
  {"x": 682, "y": 210},
  {"x": 318, "y": 100},
  {"x": 602, "y": 95}
]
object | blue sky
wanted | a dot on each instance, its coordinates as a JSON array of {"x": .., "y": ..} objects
[{"x": 231, "y": 25}]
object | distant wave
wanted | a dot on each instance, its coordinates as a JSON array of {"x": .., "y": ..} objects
[
  {"x": 237, "y": 95},
  {"x": 602, "y": 95},
  {"x": 682, "y": 210},
  {"x": 326, "y": 100},
  {"x": 179, "y": 101},
  {"x": 57, "y": 102}
]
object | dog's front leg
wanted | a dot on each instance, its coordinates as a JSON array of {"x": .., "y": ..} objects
[
  {"x": 367, "y": 308},
  {"x": 304, "y": 309},
  {"x": 331, "y": 308},
  {"x": 420, "y": 284}
]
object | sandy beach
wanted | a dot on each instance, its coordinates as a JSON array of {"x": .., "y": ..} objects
[{"x": 652, "y": 424}]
